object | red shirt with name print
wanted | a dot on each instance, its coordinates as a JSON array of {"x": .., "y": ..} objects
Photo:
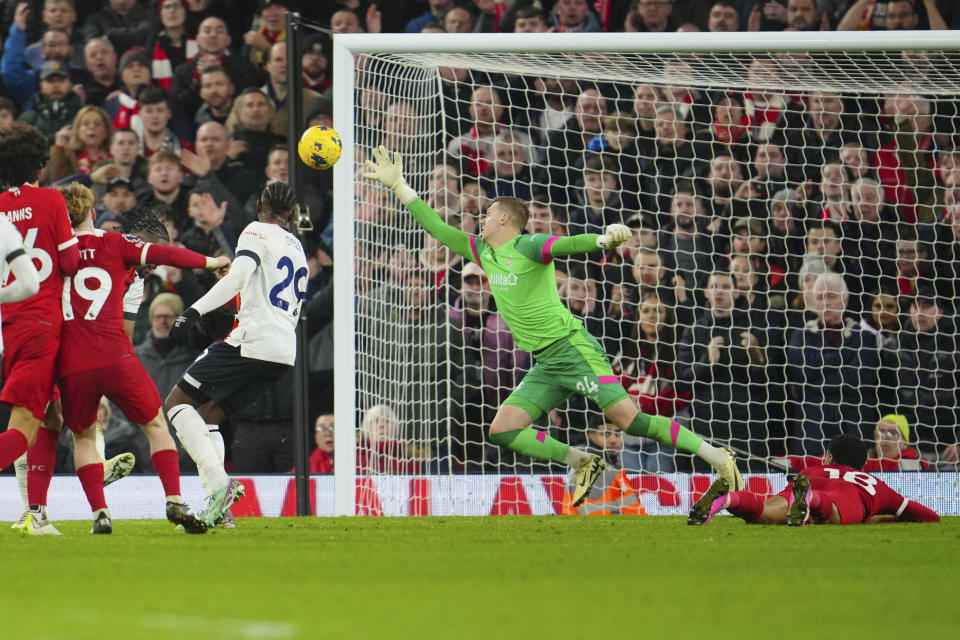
[
  {"x": 875, "y": 496},
  {"x": 93, "y": 335},
  {"x": 40, "y": 215}
]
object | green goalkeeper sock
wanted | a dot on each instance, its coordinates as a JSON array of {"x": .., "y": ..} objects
[
  {"x": 533, "y": 443},
  {"x": 665, "y": 431}
]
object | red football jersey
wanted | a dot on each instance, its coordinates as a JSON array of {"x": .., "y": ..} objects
[
  {"x": 92, "y": 335},
  {"x": 42, "y": 219},
  {"x": 877, "y": 498}
]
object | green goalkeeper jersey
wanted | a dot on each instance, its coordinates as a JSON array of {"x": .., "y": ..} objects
[{"x": 521, "y": 276}]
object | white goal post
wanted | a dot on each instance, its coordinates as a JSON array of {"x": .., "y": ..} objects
[{"x": 373, "y": 69}]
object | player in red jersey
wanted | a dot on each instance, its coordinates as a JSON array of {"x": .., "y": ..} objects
[
  {"x": 97, "y": 359},
  {"x": 31, "y": 328},
  {"x": 14, "y": 260},
  {"x": 838, "y": 492},
  {"x": 35, "y": 479}
]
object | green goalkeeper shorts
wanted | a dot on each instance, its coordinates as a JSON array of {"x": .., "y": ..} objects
[{"x": 575, "y": 364}]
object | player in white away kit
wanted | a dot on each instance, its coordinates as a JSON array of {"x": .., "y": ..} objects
[
  {"x": 14, "y": 260},
  {"x": 270, "y": 274}
]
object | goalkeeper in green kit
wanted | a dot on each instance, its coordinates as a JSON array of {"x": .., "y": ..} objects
[{"x": 568, "y": 359}]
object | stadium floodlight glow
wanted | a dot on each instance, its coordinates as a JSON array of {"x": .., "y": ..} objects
[{"x": 392, "y": 87}]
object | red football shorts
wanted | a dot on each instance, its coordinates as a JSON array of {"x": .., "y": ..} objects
[
  {"x": 29, "y": 358},
  {"x": 127, "y": 385},
  {"x": 847, "y": 498},
  {"x": 843, "y": 494}
]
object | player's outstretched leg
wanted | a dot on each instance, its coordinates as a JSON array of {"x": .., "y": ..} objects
[
  {"x": 710, "y": 503},
  {"x": 669, "y": 432},
  {"x": 20, "y": 467},
  {"x": 727, "y": 469},
  {"x": 36, "y": 472},
  {"x": 219, "y": 503},
  {"x": 90, "y": 472},
  {"x": 509, "y": 429},
  {"x": 21, "y": 434},
  {"x": 216, "y": 439},
  {"x": 166, "y": 461},
  {"x": 101, "y": 522},
  {"x": 799, "y": 513},
  {"x": 37, "y": 524},
  {"x": 180, "y": 514},
  {"x": 118, "y": 467},
  {"x": 587, "y": 474}
]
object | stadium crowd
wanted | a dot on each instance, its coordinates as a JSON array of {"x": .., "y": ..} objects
[{"x": 793, "y": 274}]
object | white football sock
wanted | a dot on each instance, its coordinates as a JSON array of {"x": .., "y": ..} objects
[
  {"x": 575, "y": 457},
  {"x": 192, "y": 432},
  {"x": 216, "y": 439},
  {"x": 99, "y": 442},
  {"x": 711, "y": 454},
  {"x": 21, "y": 468}
]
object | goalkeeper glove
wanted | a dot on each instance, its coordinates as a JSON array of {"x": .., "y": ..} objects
[
  {"x": 180, "y": 330},
  {"x": 390, "y": 174},
  {"x": 615, "y": 236}
]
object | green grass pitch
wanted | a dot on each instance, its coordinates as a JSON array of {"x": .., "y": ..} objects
[{"x": 492, "y": 577}]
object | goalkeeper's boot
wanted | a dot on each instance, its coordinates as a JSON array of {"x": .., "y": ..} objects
[
  {"x": 799, "y": 513},
  {"x": 22, "y": 520},
  {"x": 587, "y": 474},
  {"x": 220, "y": 502},
  {"x": 37, "y": 523},
  {"x": 118, "y": 467},
  {"x": 710, "y": 503},
  {"x": 729, "y": 472},
  {"x": 101, "y": 523},
  {"x": 180, "y": 514}
]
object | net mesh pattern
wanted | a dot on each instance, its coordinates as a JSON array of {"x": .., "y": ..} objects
[{"x": 791, "y": 275}]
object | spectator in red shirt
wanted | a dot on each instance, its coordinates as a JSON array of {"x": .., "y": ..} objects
[
  {"x": 906, "y": 164},
  {"x": 321, "y": 461},
  {"x": 891, "y": 15},
  {"x": 80, "y": 146},
  {"x": 380, "y": 445}
]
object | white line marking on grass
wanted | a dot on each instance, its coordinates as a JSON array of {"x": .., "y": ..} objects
[
  {"x": 233, "y": 627},
  {"x": 209, "y": 626}
]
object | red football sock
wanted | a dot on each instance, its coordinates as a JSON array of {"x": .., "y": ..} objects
[
  {"x": 91, "y": 479},
  {"x": 41, "y": 459},
  {"x": 744, "y": 504},
  {"x": 821, "y": 506},
  {"x": 13, "y": 444},
  {"x": 167, "y": 464}
]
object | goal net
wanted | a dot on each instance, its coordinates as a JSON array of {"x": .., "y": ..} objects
[{"x": 791, "y": 275}]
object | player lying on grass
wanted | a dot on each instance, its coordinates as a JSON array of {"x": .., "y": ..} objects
[
  {"x": 97, "y": 359},
  {"x": 270, "y": 275},
  {"x": 836, "y": 493},
  {"x": 568, "y": 359}
]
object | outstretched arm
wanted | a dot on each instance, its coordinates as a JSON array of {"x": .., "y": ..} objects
[
  {"x": 27, "y": 281},
  {"x": 615, "y": 235},
  {"x": 934, "y": 16},
  {"x": 227, "y": 287},
  {"x": 432, "y": 223},
  {"x": 916, "y": 512},
  {"x": 389, "y": 173},
  {"x": 220, "y": 294},
  {"x": 854, "y": 16}
]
